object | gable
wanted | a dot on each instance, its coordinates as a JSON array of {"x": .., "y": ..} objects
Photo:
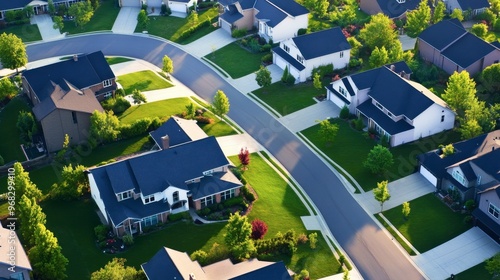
[
  {"x": 473, "y": 4},
  {"x": 443, "y": 33},
  {"x": 456, "y": 51},
  {"x": 393, "y": 9}
]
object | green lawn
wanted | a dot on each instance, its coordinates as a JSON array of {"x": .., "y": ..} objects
[
  {"x": 172, "y": 27},
  {"x": 477, "y": 272},
  {"x": 430, "y": 224},
  {"x": 116, "y": 149},
  {"x": 103, "y": 19},
  {"x": 230, "y": 58},
  {"x": 10, "y": 146},
  {"x": 350, "y": 149},
  {"x": 288, "y": 99},
  {"x": 117, "y": 59},
  {"x": 27, "y": 32},
  {"x": 218, "y": 127},
  {"x": 143, "y": 81}
]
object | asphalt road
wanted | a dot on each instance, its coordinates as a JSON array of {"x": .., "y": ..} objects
[{"x": 373, "y": 253}]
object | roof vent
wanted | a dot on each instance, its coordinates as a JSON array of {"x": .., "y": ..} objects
[
  {"x": 191, "y": 276},
  {"x": 75, "y": 57},
  {"x": 392, "y": 67}
]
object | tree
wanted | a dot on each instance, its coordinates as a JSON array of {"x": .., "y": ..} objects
[
  {"x": 457, "y": 13},
  {"x": 490, "y": 77},
  {"x": 317, "y": 81},
  {"x": 345, "y": 276},
  {"x": 51, "y": 7},
  {"x": 321, "y": 8},
  {"x": 7, "y": 89},
  {"x": 438, "y": 14},
  {"x": 448, "y": 150},
  {"x": 27, "y": 126},
  {"x": 95, "y": 4},
  {"x": 190, "y": 111},
  {"x": 244, "y": 157},
  {"x": 193, "y": 18},
  {"x": 263, "y": 77},
  {"x": 143, "y": 19},
  {"x": 23, "y": 184},
  {"x": 347, "y": 15},
  {"x": 379, "y": 160},
  {"x": 285, "y": 75},
  {"x": 395, "y": 52},
  {"x": 493, "y": 265},
  {"x": 495, "y": 6},
  {"x": 328, "y": 131},
  {"x": 379, "y": 32},
  {"x": 138, "y": 96},
  {"x": 470, "y": 129},
  {"x": 460, "y": 92},
  {"x": 313, "y": 239},
  {"x": 237, "y": 237},
  {"x": 12, "y": 51},
  {"x": 310, "y": 4},
  {"x": 116, "y": 269},
  {"x": 104, "y": 127},
  {"x": 46, "y": 257},
  {"x": 418, "y": 19},
  {"x": 303, "y": 275},
  {"x": 480, "y": 30},
  {"x": 30, "y": 215},
  {"x": 168, "y": 65},
  {"x": 82, "y": 12},
  {"x": 379, "y": 57},
  {"x": 58, "y": 22},
  {"x": 74, "y": 183},
  {"x": 381, "y": 193},
  {"x": 355, "y": 46},
  {"x": 406, "y": 210},
  {"x": 259, "y": 229},
  {"x": 220, "y": 104}
]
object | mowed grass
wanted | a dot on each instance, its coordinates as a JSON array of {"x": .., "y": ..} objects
[
  {"x": 350, "y": 149},
  {"x": 235, "y": 60},
  {"x": 26, "y": 32},
  {"x": 477, "y": 272},
  {"x": 171, "y": 27},
  {"x": 143, "y": 81},
  {"x": 430, "y": 224},
  {"x": 162, "y": 109},
  {"x": 10, "y": 145},
  {"x": 117, "y": 59},
  {"x": 103, "y": 19},
  {"x": 287, "y": 99},
  {"x": 116, "y": 149}
]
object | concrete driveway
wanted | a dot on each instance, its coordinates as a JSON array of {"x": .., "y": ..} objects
[
  {"x": 308, "y": 116},
  {"x": 126, "y": 21},
  {"x": 209, "y": 43},
  {"x": 231, "y": 145},
  {"x": 45, "y": 25},
  {"x": 248, "y": 84},
  {"x": 462, "y": 252}
]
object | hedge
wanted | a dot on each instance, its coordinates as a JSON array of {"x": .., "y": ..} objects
[{"x": 188, "y": 32}]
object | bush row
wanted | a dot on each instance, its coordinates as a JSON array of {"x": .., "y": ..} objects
[
  {"x": 238, "y": 33},
  {"x": 139, "y": 127},
  {"x": 188, "y": 32},
  {"x": 179, "y": 216},
  {"x": 280, "y": 244}
]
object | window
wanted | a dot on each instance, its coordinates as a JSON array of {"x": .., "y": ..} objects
[
  {"x": 108, "y": 94},
  {"x": 389, "y": 114},
  {"x": 300, "y": 59},
  {"x": 286, "y": 48},
  {"x": 342, "y": 91},
  {"x": 124, "y": 195},
  {"x": 149, "y": 199},
  {"x": 149, "y": 221},
  {"x": 341, "y": 54},
  {"x": 478, "y": 182},
  {"x": 493, "y": 210},
  {"x": 175, "y": 196},
  {"x": 442, "y": 118},
  {"x": 227, "y": 194},
  {"x": 379, "y": 106},
  {"x": 75, "y": 119},
  {"x": 459, "y": 177},
  {"x": 207, "y": 201},
  {"x": 107, "y": 83}
]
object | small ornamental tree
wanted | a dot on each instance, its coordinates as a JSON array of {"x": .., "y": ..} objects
[
  {"x": 317, "y": 81},
  {"x": 58, "y": 22},
  {"x": 244, "y": 157},
  {"x": 438, "y": 13},
  {"x": 493, "y": 265},
  {"x": 480, "y": 30},
  {"x": 379, "y": 160},
  {"x": 116, "y": 269},
  {"x": 457, "y": 13},
  {"x": 263, "y": 77},
  {"x": 168, "y": 65},
  {"x": 259, "y": 229},
  {"x": 143, "y": 19},
  {"x": 12, "y": 51},
  {"x": 406, "y": 210},
  {"x": 381, "y": 193},
  {"x": 27, "y": 126},
  {"x": 328, "y": 131},
  {"x": 138, "y": 96},
  {"x": 220, "y": 104},
  {"x": 313, "y": 240},
  {"x": 378, "y": 57}
]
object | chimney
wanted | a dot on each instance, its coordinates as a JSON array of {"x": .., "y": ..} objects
[
  {"x": 165, "y": 142},
  {"x": 75, "y": 57},
  {"x": 392, "y": 67},
  {"x": 191, "y": 276}
]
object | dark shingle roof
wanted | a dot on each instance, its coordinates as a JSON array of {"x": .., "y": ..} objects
[
  {"x": 468, "y": 172},
  {"x": 321, "y": 43},
  {"x": 399, "y": 67},
  {"x": 88, "y": 70},
  {"x": 490, "y": 163},
  {"x": 231, "y": 15},
  {"x": 487, "y": 220},
  {"x": 293, "y": 62},
  {"x": 161, "y": 266},
  {"x": 464, "y": 59},
  {"x": 443, "y": 33},
  {"x": 274, "y": 271},
  {"x": 394, "y": 9},
  {"x": 348, "y": 86},
  {"x": 365, "y": 79},
  {"x": 209, "y": 185},
  {"x": 473, "y": 4},
  {"x": 338, "y": 94},
  {"x": 290, "y": 7},
  {"x": 390, "y": 126},
  {"x": 269, "y": 13},
  {"x": 178, "y": 130},
  {"x": 496, "y": 44},
  {"x": 13, "y": 4}
]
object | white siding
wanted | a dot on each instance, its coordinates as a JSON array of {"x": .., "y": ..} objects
[
  {"x": 336, "y": 100},
  {"x": 96, "y": 195},
  {"x": 288, "y": 28},
  {"x": 167, "y": 194},
  {"x": 334, "y": 58},
  {"x": 429, "y": 121},
  {"x": 179, "y": 7},
  {"x": 225, "y": 25},
  {"x": 401, "y": 138},
  {"x": 428, "y": 175},
  {"x": 130, "y": 3}
]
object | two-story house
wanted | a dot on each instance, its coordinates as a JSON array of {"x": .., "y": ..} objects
[
  {"x": 39, "y": 6},
  {"x": 66, "y": 93},
  {"x": 275, "y": 20},
  {"x": 475, "y": 7},
  {"x": 391, "y": 104},
  {"x": 488, "y": 211},
  {"x": 474, "y": 166},
  {"x": 303, "y": 53},
  {"x": 14, "y": 263},
  {"x": 142, "y": 191},
  {"x": 394, "y": 9}
]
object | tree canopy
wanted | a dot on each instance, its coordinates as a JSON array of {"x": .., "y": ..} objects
[
  {"x": 328, "y": 130},
  {"x": 116, "y": 269},
  {"x": 168, "y": 65},
  {"x": 30, "y": 215},
  {"x": 480, "y": 30},
  {"x": 12, "y": 51},
  {"x": 237, "y": 237},
  {"x": 82, "y": 12},
  {"x": 460, "y": 92},
  {"x": 379, "y": 32},
  {"x": 439, "y": 11},
  {"x": 104, "y": 127},
  {"x": 418, "y": 19},
  {"x": 46, "y": 256},
  {"x": 457, "y": 13},
  {"x": 379, "y": 57},
  {"x": 263, "y": 77},
  {"x": 220, "y": 103},
  {"x": 23, "y": 184},
  {"x": 379, "y": 160},
  {"x": 138, "y": 97},
  {"x": 381, "y": 193}
]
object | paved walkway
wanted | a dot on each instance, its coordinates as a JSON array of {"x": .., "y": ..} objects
[
  {"x": 311, "y": 222},
  {"x": 126, "y": 21},
  {"x": 464, "y": 251},
  {"x": 46, "y": 27},
  {"x": 231, "y": 145},
  {"x": 210, "y": 42},
  {"x": 402, "y": 190},
  {"x": 308, "y": 116},
  {"x": 248, "y": 83},
  {"x": 407, "y": 43}
]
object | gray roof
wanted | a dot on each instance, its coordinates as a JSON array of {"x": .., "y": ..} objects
[
  {"x": 13, "y": 4},
  {"x": 231, "y": 14},
  {"x": 496, "y": 44},
  {"x": 161, "y": 267},
  {"x": 179, "y": 131},
  {"x": 389, "y": 125},
  {"x": 348, "y": 86},
  {"x": 274, "y": 271},
  {"x": 269, "y": 13},
  {"x": 288, "y": 58},
  {"x": 443, "y": 33},
  {"x": 366, "y": 79},
  {"x": 216, "y": 183},
  {"x": 490, "y": 162},
  {"x": 455, "y": 52},
  {"x": 321, "y": 43},
  {"x": 473, "y": 4},
  {"x": 394, "y": 9},
  {"x": 290, "y": 7}
]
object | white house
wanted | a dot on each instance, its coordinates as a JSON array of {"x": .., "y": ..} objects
[
  {"x": 303, "y": 53},
  {"x": 474, "y": 6},
  {"x": 392, "y": 105},
  {"x": 276, "y": 20},
  {"x": 180, "y": 6}
]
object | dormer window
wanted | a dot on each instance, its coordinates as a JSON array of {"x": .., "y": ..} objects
[
  {"x": 124, "y": 195},
  {"x": 400, "y": 1},
  {"x": 149, "y": 199},
  {"x": 107, "y": 83}
]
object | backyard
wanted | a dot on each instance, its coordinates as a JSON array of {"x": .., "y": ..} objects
[
  {"x": 10, "y": 146},
  {"x": 143, "y": 80},
  {"x": 350, "y": 149},
  {"x": 103, "y": 19},
  {"x": 230, "y": 59},
  {"x": 474, "y": 273},
  {"x": 27, "y": 32},
  {"x": 430, "y": 223}
]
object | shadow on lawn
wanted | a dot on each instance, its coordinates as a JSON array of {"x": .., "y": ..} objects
[{"x": 142, "y": 85}]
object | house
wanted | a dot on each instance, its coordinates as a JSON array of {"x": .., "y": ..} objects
[
  {"x": 142, "y": 191},
  {"x": 393, "y": 9},
  {"x": 171, "y": 264},
  {"x": 448, "y": 46},
  {"x": 488, "y": 210},
  {"x": 473, "y": 167},
  {"x": 14, "y": 263},
  {"x": 180, "y": 6},
  {"x": 39, "y": 6},
  {"x": 176, "y": 131},
  {"x": 275, "y": 20},
  {"x": 474, "y": 7},
  {"x": 303, "y": 53},
  {"x": 66, "y": 93},
  {"x": 392, "y": 105}
]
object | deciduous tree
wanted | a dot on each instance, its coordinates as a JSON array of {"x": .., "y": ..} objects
[
  {"x": 138, "y": 96},
  {"x": 58, "y": 22},
  {"x": 259, "y": 229},
  {"x": 491, "y": 77},
  {"x": 418, "y": 19},
  {"x": 168, "y": 65},
  {"x": 263, "y": 77},
  {"x": 321, "y": 8},
  {"x": 220, "y": 104},
  {"x": 457, "y": 13},
  {"x": 82, "y": 12},
  {"x": 355, "y": 46},
  {"x": 30, "y": 215},
  {"x": 480, "y": 30},
  {"x": 460, "y": 92},
  {"x": 74, "y": 183},
  {"x": 104, "y": 127},
  {"x": 438, "y": 14},
  {"x": 406, "y": 209},
  {"x": 7, "y": 89},
  {"x": 379, "y": 160},
  {"x": 46, "y": 256},
  {"x": 493, "y": 265},
  {"x": 12, "y": 51},
  {"x": 27, "y": 126},
  {"x": 237, "y": 237},
  {"x": 317, "y": 81},
  {"x": 244, "y": 157},
  {"x": 143, "y": 19},
  {"x": 381, "y": 193},
  {"x": 379, "y": 32},
  {"x": 23, "y": 184},
  {"x": 51, "y": 7},
  {"x": 379, "y": 57},
  {"x": 328, "y": 131},
  {"x": 116, "y": 269}
]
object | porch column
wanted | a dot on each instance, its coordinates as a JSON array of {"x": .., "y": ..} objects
[
  {"x": 129, "y": 226},
  {"x": 140, "y": 227}
]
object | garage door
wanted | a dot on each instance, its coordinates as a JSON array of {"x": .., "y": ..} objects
[
  {"x": 428, "y": 175},
  {"x": 154, "y": 3},
  {"x": 280, "y": 62},
  {"x": 131, "y": 3},
  {"x": 178, "y": 7},
  {"x": 225, "y": 25}
]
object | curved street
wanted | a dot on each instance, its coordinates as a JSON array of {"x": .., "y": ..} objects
[{"x": 371, "y": 250}]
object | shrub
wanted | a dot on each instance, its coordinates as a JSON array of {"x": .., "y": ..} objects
[
  {"x": 254, "y": 45},
  {"x": 344, "y": 113},
  {"x": 188, "y": 32},
  {"x": 138, "y": 127},
  {"x": 203, "y": 120},
  {"x": 101, "y": 231},
  {"x": 165, "y": 10},
  {"x": 265, "y": 48},
  {"x": 118, "y": 105},
  {"x": 355, "y": 62},
  {"x": 128, "y": 239},
  {"x": 237, "y": 200},
  {"x": 302, "y": 239},
  {"x": 468, "y": 219},
  {"x": 178, "y": 216},
  {"x": 280, "y": 244},
  {"x": 102, "y": 244},
  {"x": 238, "y": 33},
  {"x": 323, "y": 70},
  {"x": 204, "y": 212},
  {"x": 247, "y": 193},
  {"x": 200, "y": 256},
  {"x": 267, "y": 58},
  {"x": 155, "y": 123},
  {"x": 259, "y": 229},
  {"x": 301, "y": 31},
  {"x": 208, "y": 4},
  {"x": 358, "y": 124},
  {"x": 120, "y": 92},
  {"x": 496, "y": 26},
  {"x": 144, "y": 7},
  {"x": 313, "y": 240}
]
